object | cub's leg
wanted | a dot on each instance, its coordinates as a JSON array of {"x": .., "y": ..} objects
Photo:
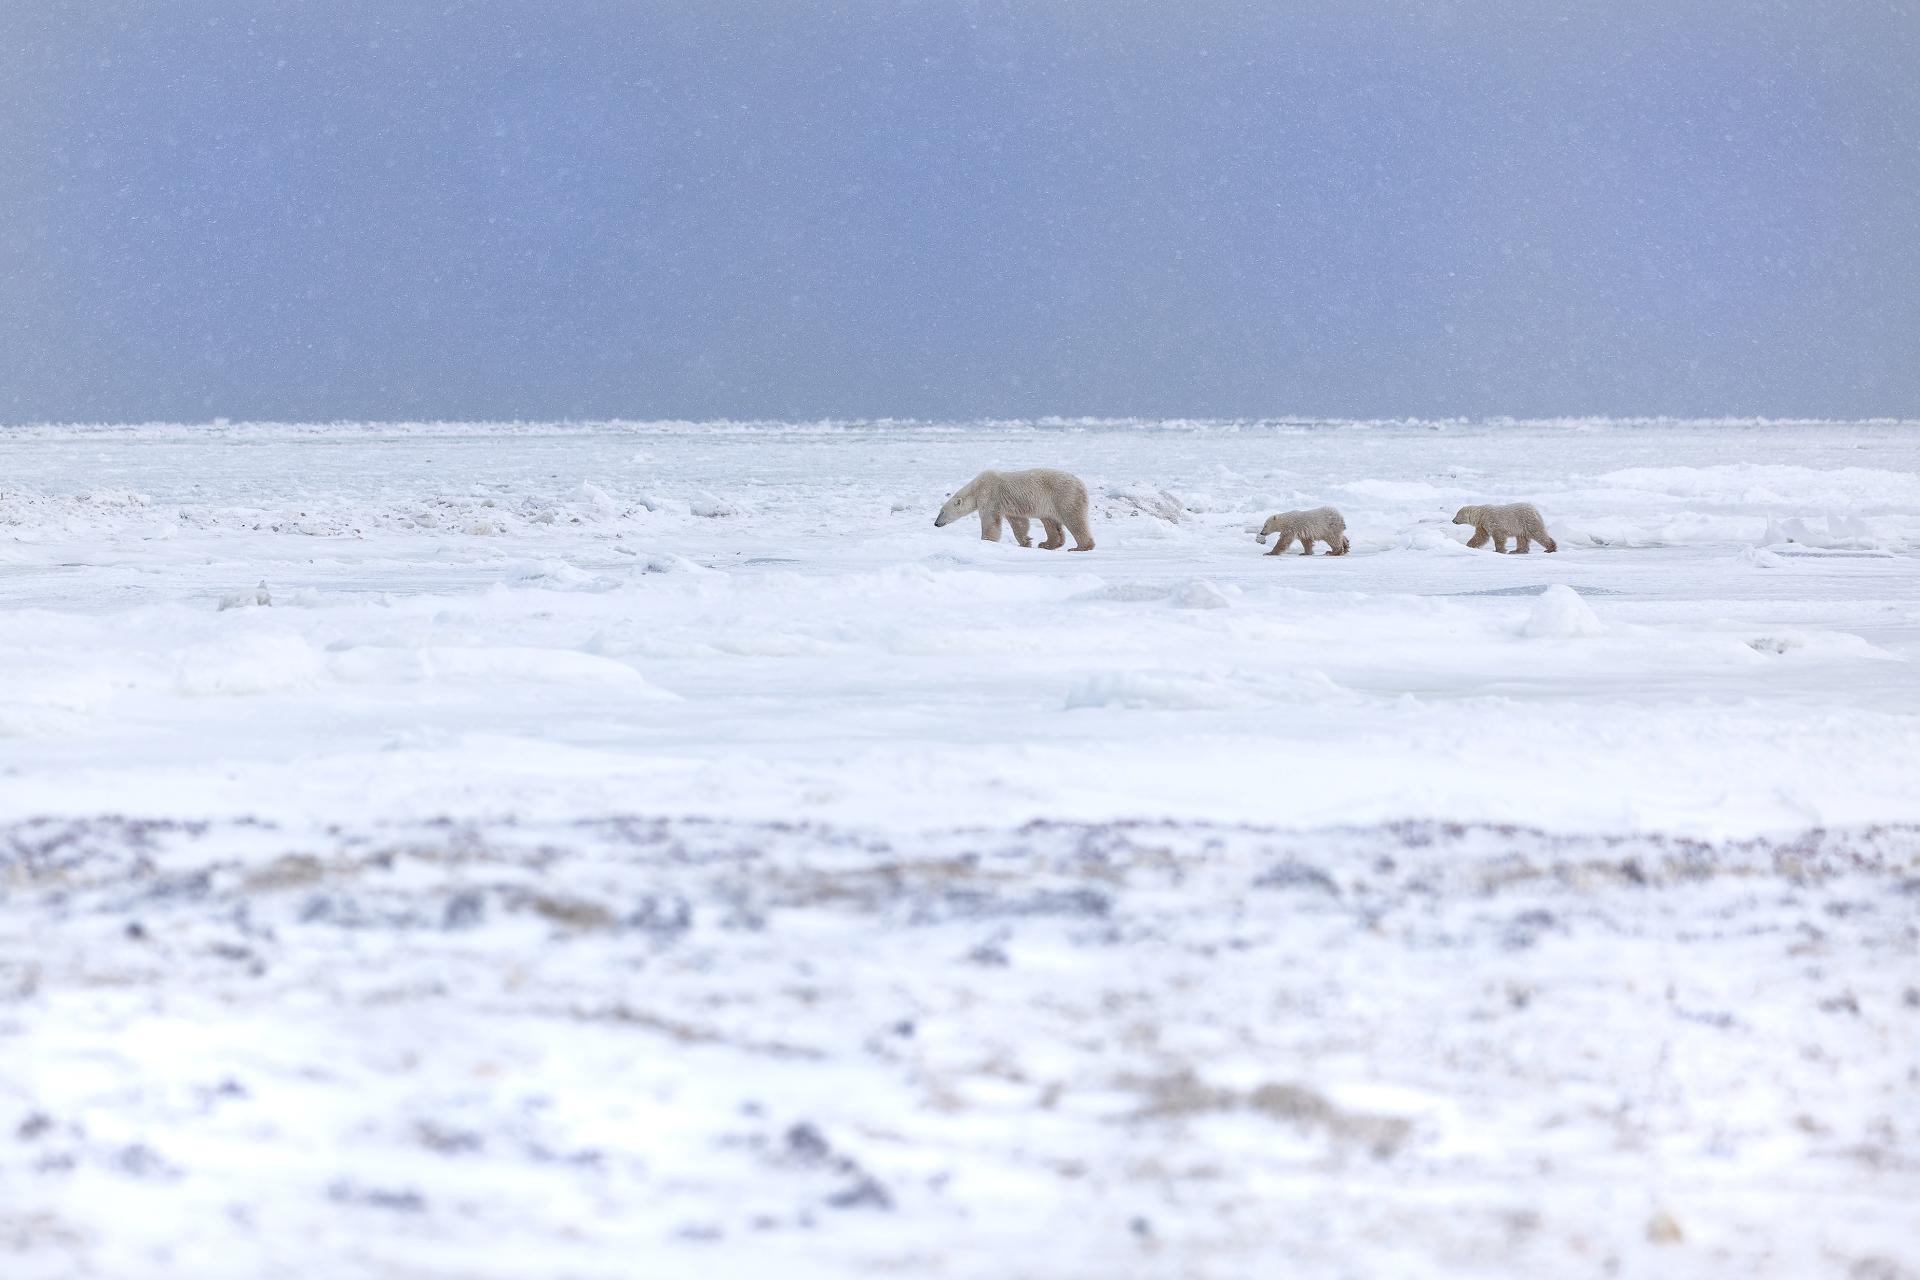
[
  {"x": 989, "y": 527},
  {"x": 1056, "y": 536},
  {"x": 1520, "y": 544},
  {"x": 1020, "y": 527},
  {"x": 1480, "y": 536}
]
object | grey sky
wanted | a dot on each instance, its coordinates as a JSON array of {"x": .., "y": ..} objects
[{"x": 375, "y": 208}]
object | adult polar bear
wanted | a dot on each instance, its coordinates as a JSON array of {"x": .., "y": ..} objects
[{"x": 1054, "y": 498}]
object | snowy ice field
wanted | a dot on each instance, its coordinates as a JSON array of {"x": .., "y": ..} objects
[{"x": 655, "y": 850}]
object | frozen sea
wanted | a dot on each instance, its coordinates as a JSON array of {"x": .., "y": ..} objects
[{"x": 611, "y": 849}]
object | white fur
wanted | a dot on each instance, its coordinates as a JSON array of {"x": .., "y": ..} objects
[
  {"x": 1054, "y": 498},
  {"x": 1517, "y": 520},
  {"x": 1322, "y": 523}
]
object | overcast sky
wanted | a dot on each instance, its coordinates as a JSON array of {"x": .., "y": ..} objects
[{"x": 389, "y": 209}]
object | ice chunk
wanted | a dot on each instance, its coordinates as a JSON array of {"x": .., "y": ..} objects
[
  {"x": 599, "y": 498},
  {"x": 1201, "y": 594},
  {"x": 253, "y": 596}
]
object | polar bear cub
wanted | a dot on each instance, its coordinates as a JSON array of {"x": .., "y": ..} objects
[
  {"x": 1322, "y": 523},
  {"x": 1054, "y": 498},
  {"x": 1517, "y": 520}
]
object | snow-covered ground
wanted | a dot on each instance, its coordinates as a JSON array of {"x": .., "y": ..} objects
[{"x": 614, "y": 849}]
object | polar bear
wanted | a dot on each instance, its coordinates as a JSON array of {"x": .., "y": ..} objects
[
  {"x": 1054, "y": 498},
  {"x": 1323, "y": 523},
  {"x": 1517, "y": 520}
]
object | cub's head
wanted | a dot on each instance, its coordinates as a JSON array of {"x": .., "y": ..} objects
[
  {"x": 1467, "y": 515},
  {"x": 1271, "y": 526}
]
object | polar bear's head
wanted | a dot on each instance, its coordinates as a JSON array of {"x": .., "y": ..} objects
[
  {"x": 1271, "y": 526},
  {"x": 965, "y": 501},
  {"x": 1467, "y": 515}
]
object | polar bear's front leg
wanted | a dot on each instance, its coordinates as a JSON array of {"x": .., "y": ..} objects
[
  {"x": 1020, "y": 527},
  {"x": 1056, "y": 536},
  {"x": 1520, "y": 544},
  {"x": 1281, "y": 543},
  {"x": 1306, "y": 544},
  {"x": 1480, "y": 536},
  {"x": 990, "y": 526}
]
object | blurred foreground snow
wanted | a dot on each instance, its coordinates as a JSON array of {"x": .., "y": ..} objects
[{"x": 642, "y": 1046}]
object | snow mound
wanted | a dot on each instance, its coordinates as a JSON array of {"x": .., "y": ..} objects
[
  {"x": 1819, "y": 644},
  {"x": 1201, "y": 594},
  {"x": 599, "y": 498},
  {"x": 1434, "y": 538},
  {"x": 1166, "y": 691},
  {"x": 379, "y": 664},
  {"x": 666, "y": 562},
  {"x": 557, "y": 573},
  {"x": 242, "y": 665},
  {"x": 1837, "y": 531},
  {"x": 250, "y": 598},
  {"x": 1141, "y": 500},
  {"x": 1560, "y": 614},
  {"x": 1126, "y": 593}
]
